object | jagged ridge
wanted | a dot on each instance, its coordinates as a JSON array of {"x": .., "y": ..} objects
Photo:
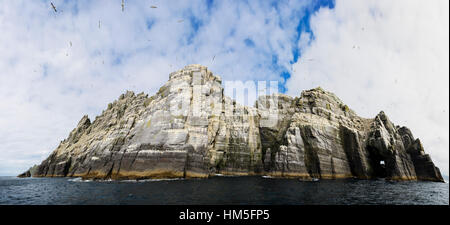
[{"x": 190, "y": 129}]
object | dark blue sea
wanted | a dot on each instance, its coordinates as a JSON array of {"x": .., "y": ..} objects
[{"x": 218, "y": 191}]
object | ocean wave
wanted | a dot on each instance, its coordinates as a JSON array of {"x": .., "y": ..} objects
[
  {"x": 79, "y": 179},
  {"x": 107, "y": 180},
  {"x": 151, "y": 180},
  {"x": 128, "y": 181},
  {"x": 225, "y": 175},
  {"x": 164, "y": 179}
]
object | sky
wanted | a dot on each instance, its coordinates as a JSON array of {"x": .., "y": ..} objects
[{"x": 57, "y": 65}]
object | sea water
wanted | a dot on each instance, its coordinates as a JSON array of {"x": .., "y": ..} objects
[{"x": 220, "y": 190}]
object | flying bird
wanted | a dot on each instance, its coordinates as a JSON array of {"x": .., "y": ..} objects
[
  {"x": 54, "y": 8},
  {"x": 179, "y": 21},
  {"x": 123, "y": 5},
  {"x": 153, "y": 7}
]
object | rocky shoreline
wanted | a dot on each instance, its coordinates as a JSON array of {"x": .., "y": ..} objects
[{"x": 191, "y": 129}]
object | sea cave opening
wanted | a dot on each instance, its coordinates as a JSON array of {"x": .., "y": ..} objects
[
  {"x": 379, "y": 169},
  {"x": 378, "y": 163}
]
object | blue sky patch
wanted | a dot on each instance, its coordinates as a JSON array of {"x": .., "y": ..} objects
[
  {"x": 249, "y": 43},
  {"x": 304, "y": 26},
  {"x": 149, "y": 23}
]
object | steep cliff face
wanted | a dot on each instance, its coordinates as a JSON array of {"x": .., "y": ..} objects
[
  {"x": 190, "y": 129},
  {"x": 318, "y": 136}
]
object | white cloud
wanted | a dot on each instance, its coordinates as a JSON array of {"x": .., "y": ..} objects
[
  {"x": 47, "y": 84},
  {"x": 384, "y": 55},
  {"x": 56, "y": 67}
]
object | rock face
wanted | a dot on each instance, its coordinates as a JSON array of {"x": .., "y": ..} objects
[
  {"x": 190, "y": 129},
  {"x": 29, "y": 173}
]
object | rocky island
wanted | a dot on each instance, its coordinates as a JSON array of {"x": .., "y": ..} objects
[{"x": 189, "y": 128}]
